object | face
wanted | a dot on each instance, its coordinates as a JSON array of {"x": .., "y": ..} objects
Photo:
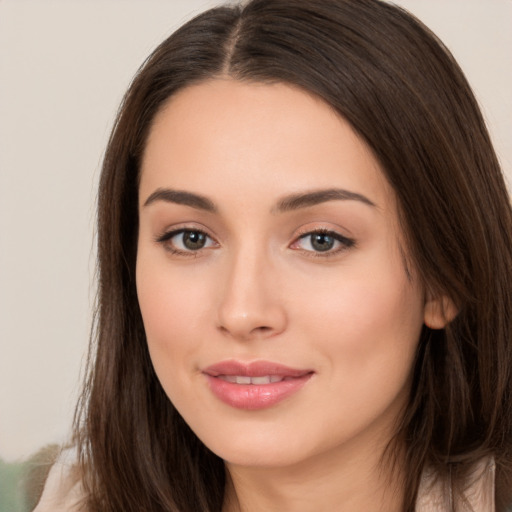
[{"x": 280, "y": 317}]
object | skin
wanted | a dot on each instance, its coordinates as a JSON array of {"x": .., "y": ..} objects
[{"x": 259, "y": 290}]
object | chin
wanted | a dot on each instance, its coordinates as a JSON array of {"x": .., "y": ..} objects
[
  {"x": 263, "y": 448},
  {"x": 258, "y": 458}
]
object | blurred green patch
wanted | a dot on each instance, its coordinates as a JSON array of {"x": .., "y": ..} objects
[{"x": 12, "y": 498}]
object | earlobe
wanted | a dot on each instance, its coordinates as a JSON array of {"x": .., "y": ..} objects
[{"x": 439, "y": 312}]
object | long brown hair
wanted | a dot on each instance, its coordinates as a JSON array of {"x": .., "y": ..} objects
[{"x": 401, "y": 89}]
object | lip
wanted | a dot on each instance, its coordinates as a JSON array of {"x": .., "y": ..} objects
[{"x": 254, "y": 396}]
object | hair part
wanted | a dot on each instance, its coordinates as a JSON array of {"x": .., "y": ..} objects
[{"x": 401, "y": 90}]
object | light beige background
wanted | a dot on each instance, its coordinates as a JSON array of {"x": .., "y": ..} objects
[{"x": 64, "y": 65}]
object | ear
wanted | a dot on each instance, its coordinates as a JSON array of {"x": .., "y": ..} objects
[{"x": 439, "y": 312}]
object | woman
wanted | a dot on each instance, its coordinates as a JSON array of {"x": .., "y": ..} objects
[{"x": 305, "y": 275}]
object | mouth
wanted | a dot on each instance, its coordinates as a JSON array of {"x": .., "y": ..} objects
[
  {"x": 256, "y": 385},
  {"x": 255, "y": 381}
]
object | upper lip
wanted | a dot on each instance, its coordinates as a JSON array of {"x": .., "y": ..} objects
[{"x": 253, "y": 369}]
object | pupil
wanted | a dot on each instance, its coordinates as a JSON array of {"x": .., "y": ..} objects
[
  {"x": 322, "y": 242},
  {"x": 194, "y": 240}
]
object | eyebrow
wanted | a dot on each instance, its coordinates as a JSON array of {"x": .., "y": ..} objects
[
  {"x": 306, "y": 199},
  {"x": 286, "y": 204},
  {"x": 181, "y": 197}
]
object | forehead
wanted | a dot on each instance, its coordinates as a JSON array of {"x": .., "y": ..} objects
[{"x": 224, "y": 133}]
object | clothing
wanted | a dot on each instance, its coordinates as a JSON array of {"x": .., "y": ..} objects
[
  {"x": 63, "y": 491},
  {"x": 437, "y": 495}
]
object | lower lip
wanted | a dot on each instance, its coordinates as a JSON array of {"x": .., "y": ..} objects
[{"x": 255, "y": 396}]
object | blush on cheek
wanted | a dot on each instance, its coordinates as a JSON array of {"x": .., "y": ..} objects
[
  {"x": 373, "y": 319},
  {"x": 164, "y": 301},
  {"x": 171, "y": 314}
]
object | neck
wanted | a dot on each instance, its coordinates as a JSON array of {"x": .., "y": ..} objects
[{"x": 348, "y": 479}]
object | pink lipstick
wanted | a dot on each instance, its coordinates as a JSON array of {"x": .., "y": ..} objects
[{"x": 255, "y": 385}]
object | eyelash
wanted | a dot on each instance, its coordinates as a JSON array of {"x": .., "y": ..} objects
[
  {"x": 169, "y": 235},
  {"x": 345, "y": 243}
]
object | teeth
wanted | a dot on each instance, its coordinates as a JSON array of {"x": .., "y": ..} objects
[
  {"x": 260, "y": 380},
  {"x": 243, "y": 379}
]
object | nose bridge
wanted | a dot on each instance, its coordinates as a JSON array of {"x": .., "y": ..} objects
[{"x": 249, "y": 303}]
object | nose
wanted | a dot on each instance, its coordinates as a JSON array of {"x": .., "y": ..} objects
[{"x": 249, "y": 302}]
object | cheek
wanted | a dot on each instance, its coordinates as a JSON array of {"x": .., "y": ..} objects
[
  {"x": 367, "y": 324},
  {"x": 373, "y": 313},
  {"x": 172, "y": 309}
]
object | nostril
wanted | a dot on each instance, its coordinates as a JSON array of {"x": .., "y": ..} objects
[
  {"x": 263, "y": 329},
  {"x": 244, "y": 320},
  {"x": 238, "y": 331}
]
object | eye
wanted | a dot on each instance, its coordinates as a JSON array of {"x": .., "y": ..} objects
[
  {"x": 186, "y": 240},
  {"x": 328, "y": 242}
]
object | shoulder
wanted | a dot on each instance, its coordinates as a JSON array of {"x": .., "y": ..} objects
[{"x": 55, "y": 484}]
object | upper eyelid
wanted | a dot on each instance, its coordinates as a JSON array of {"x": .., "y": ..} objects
[
  {"x": 345, "y": 242},
  {"x": 169, "y": 233},
  {"x": 337, "y": 236},
  {"x": 165, "y": 238},
  {"x": 323, "y": 230}
]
